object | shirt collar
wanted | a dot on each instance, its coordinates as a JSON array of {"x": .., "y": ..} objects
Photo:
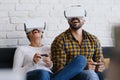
[{"x": 71, "y": 37}]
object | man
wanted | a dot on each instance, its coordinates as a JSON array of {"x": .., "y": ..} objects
[
  {"x": 34, "y": 59},
  {"x": 76, "y": 41}
]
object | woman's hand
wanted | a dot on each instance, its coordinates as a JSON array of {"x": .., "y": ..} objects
[
  {"x": 36, "y": 58},
  {"x": 47, "y": 60}
]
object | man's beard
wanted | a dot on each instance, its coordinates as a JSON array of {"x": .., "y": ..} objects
[{"x": 75, "y": 27}]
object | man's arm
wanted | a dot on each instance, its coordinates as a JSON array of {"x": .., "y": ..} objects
[
  {"x": 58, "y": 55},
  {"x": 98, "y": 57}
]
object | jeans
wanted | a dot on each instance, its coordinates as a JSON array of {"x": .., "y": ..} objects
[
  {"x": 38, "y": 75},
  {"x": 91, "y": 74},
  {"x": 72, "y": 69},
  {"x": 75, "y": 67},
  {"x": 100, "y": 75}
]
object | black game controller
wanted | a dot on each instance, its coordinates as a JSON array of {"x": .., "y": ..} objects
[{"x": 45, "y": 55}]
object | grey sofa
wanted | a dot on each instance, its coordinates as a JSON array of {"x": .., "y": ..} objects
[{"x": 7, "y": 54}]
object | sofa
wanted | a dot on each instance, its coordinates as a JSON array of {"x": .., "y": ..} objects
[
  {"x": 6, "y": 57},
  {"x": 7, "y": 54}
]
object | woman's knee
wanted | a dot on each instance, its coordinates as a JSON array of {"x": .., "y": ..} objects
[
  {"x": 39, "y": 75},
  {"x": 42, "y": 73}
]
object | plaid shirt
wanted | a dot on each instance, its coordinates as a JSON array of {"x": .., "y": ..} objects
[{"x": 65, "y": 47}]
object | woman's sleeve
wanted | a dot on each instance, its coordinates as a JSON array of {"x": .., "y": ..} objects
[{"x": 18, "y": 60}]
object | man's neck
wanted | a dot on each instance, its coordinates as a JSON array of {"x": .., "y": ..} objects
[
  {"x": 77, "y": 35},
  {"x": 77, "y": 32}
]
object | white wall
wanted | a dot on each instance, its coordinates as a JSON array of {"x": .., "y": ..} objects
[{"x": 101, "y": 15}]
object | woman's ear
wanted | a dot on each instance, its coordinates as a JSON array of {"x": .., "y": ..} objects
[{"x": 42, "y": 35}]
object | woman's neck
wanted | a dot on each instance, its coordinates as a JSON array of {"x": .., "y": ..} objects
[{"x": 36, "y": 44}]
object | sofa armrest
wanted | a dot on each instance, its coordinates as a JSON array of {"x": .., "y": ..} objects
[{"x": 107, "y": 62}]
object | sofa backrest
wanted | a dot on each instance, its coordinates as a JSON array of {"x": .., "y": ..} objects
[
  {"x": 7, "y": 55},
  {"x": 107, "y": 51}
]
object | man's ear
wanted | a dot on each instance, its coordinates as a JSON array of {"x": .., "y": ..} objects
[
  {"x": 69, "y": 21},
  {"x": 28, "y": 37}
]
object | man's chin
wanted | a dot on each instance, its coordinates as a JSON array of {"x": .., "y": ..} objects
[{"x": 75, "y": 28}]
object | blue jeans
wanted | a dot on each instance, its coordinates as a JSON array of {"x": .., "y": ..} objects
[
  {"x": 101, "y": 75},
  {"x": 45, "y": 75},
  {"x": 75, "y": 67},
  {"x": 72, "y": 69},
  {"x": 38, "y": 75},
  {"x": 91, "y": 74}
]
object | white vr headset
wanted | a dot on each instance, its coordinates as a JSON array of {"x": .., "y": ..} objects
[
  {"x": 32, "y": 24},
  {"x": 75, "y": 11}
]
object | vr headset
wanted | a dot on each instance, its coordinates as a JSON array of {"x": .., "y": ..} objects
[
  {"x": 75, "y": 11},
  {"x": 32, "y": 24}
]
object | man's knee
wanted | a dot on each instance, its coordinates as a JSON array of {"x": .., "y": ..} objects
[{"x": 80, "y": 59}]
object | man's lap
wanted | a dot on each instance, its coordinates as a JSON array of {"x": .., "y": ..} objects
[{"x": 86, "y": 75}]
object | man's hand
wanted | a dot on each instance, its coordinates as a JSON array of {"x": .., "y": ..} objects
[
  {"x": 100, "y": 67},
  {"x": 91, "y": 65}
]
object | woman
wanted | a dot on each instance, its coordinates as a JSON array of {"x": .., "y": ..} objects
[{"x": 34, "y": 59}]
